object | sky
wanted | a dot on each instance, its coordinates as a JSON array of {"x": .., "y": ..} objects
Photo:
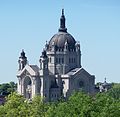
[{"x": 28, "y": 24}]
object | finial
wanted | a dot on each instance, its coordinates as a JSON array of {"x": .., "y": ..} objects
[
  {"x": 23, "y": 53},
  {"x": 62, "y": 12},
  {"x": 22, "y": 50},
  {"x": 62, "y": 23},
  {"x": 105, "y": 80},
  {"x": 44, "y": 54}
]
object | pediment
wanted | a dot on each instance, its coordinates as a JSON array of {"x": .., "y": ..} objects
[
  {"x": 28, "y": 70},
  {"x": 83, "y": 73},
  {"x": 78, "y": 71}
]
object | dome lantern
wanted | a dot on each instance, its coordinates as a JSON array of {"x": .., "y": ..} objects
[{"x": 62, "y": 23}]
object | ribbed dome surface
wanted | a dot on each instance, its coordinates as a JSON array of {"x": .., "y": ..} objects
[{"x": 60, "y": 39}]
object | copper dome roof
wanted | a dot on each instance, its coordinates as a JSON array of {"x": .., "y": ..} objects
[
  {"x": 62, "y": 36},
  {"x": 60, "y": 39}
]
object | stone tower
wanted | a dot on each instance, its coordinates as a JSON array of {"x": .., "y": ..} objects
[
  {"x": 44, "y": 75},
  {"x": 22, "y": 60},
  {"x": 28, "y": 78}
]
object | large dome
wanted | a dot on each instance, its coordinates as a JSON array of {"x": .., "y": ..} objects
[{"x": 60, "y": 39}]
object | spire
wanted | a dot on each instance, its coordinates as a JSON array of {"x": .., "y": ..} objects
[
  {"x": 22, "y": 60},
  {"x": 23, "y": 54},
  {"x": 62, "y": 12},
  {"x": 62, "y": 23},
  {"x": 105, "y": 80}
]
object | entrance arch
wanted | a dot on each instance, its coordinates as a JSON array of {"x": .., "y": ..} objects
[{"x": 27, "y": 87}]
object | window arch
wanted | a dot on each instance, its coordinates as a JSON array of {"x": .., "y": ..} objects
[
  {"x": 27, "y": 87},
  {"x": 81, "y": 84}
]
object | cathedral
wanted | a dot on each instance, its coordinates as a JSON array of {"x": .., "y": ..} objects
[{"x": 60, "y": 71}]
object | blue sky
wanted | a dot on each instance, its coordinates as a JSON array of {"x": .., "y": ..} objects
[{"x": 27, "y": 24}]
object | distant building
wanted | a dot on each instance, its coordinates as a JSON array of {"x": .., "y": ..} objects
[
  {"x": 60, "y": 71},
  {"x": 104, "y": 87}
]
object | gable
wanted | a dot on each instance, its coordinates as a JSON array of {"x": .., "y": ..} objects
[
  {"x": 32, "y": 70},
  {"x": 82, "y": 80},
  {"x": 83, "y": 73}
]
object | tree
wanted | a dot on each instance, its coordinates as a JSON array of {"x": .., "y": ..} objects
[
  {"x": 83, "y": 105},
  {"x": 115, "y": 91},
  {"x": 7, "y": 88},
  {"x": 77, "y": 105},
  {"x": 105, "y": 106},
  {"x": 38, "y": 107},
  {"x": 13, "y": 105}
]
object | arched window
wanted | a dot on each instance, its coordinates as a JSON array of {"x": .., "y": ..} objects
[
  {"x": 50, "y": 60},
  {"x": 56, "y": 60},
  {"x": 74, "y": 60},
  {"x": 29, "y": 82},
  {"x": 69, "y": 60},
  {"x": 59, "y": 60},
  {"x": 81, "y": 84},
  {"x": 27, "y": 87},
  {"x": 62, "y": 60}
]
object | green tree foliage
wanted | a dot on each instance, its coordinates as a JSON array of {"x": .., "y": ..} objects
[
  {"x": 105, "y": 106},
  {"x": 17, "y": 106},
  {"x": 7, "y": 88},
  {"x": 115, "y": 91},
  {"x": 82, "y": 105},
  {"x": 38, "y": 107},
  {"x": 12, "y": 106},
  {"x": 78, "y": 105}
]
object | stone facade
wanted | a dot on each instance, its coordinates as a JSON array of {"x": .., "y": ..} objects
[{"x": 60, "y": 71}]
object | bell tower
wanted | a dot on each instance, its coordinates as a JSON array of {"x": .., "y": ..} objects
[
  {"x": 22, "y": 60},
  {"x": 43, "y": 63},
  {"x": 44, "y": 76}
]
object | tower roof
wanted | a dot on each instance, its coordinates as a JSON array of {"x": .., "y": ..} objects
[
  {"x": 22, "y": 54},
  {"x": 62, "y": 23}
]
